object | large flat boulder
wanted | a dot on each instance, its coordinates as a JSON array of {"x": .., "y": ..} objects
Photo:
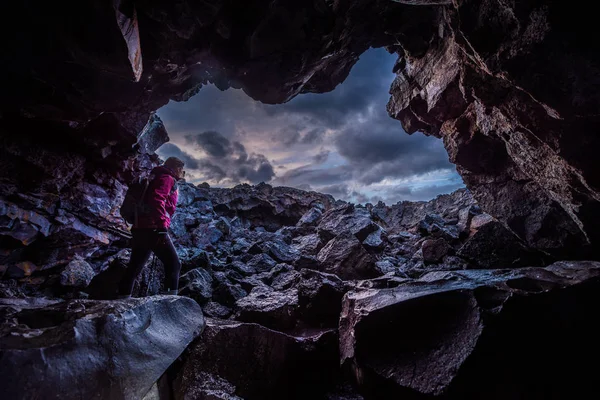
[
  {"x": 88, "y": 349},
  {"x": 479, "y": 334}
]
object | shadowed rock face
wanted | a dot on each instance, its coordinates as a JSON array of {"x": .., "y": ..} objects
[
  {"x": 475, "y": 334},
  {"x": 260, "y": 363}
]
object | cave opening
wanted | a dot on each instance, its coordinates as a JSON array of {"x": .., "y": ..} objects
[{"x": 342, "y": 142}]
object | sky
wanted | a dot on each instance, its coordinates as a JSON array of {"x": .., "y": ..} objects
[{"x": 342, "y": 142}]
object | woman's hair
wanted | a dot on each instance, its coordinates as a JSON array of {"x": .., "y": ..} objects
[{"x": 174, "y": 162}]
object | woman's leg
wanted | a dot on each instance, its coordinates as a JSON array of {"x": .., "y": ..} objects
[
  {"x": 141, "y": 246},
  {"x": 165, "y": 251}
]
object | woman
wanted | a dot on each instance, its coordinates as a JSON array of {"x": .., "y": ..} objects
[{"x": 150, "y": 232}]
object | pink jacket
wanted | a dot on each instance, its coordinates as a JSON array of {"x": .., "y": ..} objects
[{"x": 161, "y": 197}]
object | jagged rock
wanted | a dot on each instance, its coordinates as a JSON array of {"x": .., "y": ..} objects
[
  {"x": 320, "y": 298},
  {"x": 242, "y": 268},
  {"x": 273, "y": 309},
  {"x": 375, "y": 241},
  {"x": 208, "y": 387},
  {"x": 346, "y": 218},
  {"x": 90, "y": 349},
  {"x": 286, "y": 280},
  {"x": 347, "y": 258},
  {"x": 385, "y": 266},
  {"x": 206, "y": 235},
  {"x": 196, "y": 284},
  {"x": 261, "y": 262},
  {"x": 78, "y": 274},
  {"x": 228, "y": 293},
  {"x": 192, "y": 258},
  {"x": 529, "y": 327},
  {"x": 223, "y": 225},
  {"x": 435, "y": 225},
  {"x": 478, "y": 221},
  {"x": 434, "y": 250},
  {"x": 240, "y": 245},
  {"x": 281, "y": 251},
  {"x": 494, "y": 246},
  {"x": 283, "y": 366},
  {"x": 311, "y": 217},
  {"x": 309, "y": 244},
  {"x": 216, "y": 310}
]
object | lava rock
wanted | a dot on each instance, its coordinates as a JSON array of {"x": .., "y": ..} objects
[
  {"x": 90, "y": 349},
  {"x": 273, "y": 309},
  {"x": 320, "y": 298},
  {"x": 434, "y": 250},
  {"x": 283, "y": 366},
  {"x": 196, "y": 284},
  {"x": 530, "y": 327},
  {"x": 346, "y": 257}
]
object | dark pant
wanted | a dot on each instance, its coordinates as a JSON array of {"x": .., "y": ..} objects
[{"x": 144, "y": 242}]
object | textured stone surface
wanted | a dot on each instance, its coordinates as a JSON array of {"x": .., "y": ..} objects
[
  {"x": 92, "y": 349},
  {"x": 457, "y": 335},
  {"x": 259, "y": 362}
]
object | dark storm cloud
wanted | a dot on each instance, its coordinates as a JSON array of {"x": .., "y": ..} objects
[
  {"x": 423, "y": 193},
  {"x": 171, "y": 150},
  {"x": 227, "y": 160},
  {"x": 212, "y": 142},
  {"x": 314, "y": 176},
  {"x": 339, "y": 190},
  {"x": 378, "y": 148},
  {"x": 321, "y": 157}
]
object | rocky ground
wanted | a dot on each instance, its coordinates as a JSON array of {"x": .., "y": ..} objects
[{"x": 303, "y": 296}]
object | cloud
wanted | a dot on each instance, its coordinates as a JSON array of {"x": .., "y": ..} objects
[
  {"x": 342, "y": 141},
  {"x": 171, "y": 150},
  {"x": 339, "y": 191},
  {"x": 321, "y": 157},
  {"x": 229, "y": 161},
  {"x": 212, "y": 142}
]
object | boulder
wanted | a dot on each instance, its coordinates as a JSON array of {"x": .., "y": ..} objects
[
  {"x": 270, "y": 308},
  {"x": 375, "y": 240},
  {"x": 196, "y": 284},
  {"x": 309, "y": 244},
  {"x": 434, "y": 250},
  {"x": 345, "y": 257},
  {"x": 320, "y": 298},
  {"x": 494, "y": 246},
  {"x": 92, "y": 349},
  {"x": 77, "y": 274},
  {"x": 465, "y": 335},
  {"x": 216, "y": 310},
  {"x": 310, "y": 217},
  {"x": 346, "y": 218},
  {"x": 261, "y": 262},
  {"x": 261, "y": 363}
]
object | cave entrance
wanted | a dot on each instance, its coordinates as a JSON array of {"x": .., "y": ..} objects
[{"x": 341, "y": 143}]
